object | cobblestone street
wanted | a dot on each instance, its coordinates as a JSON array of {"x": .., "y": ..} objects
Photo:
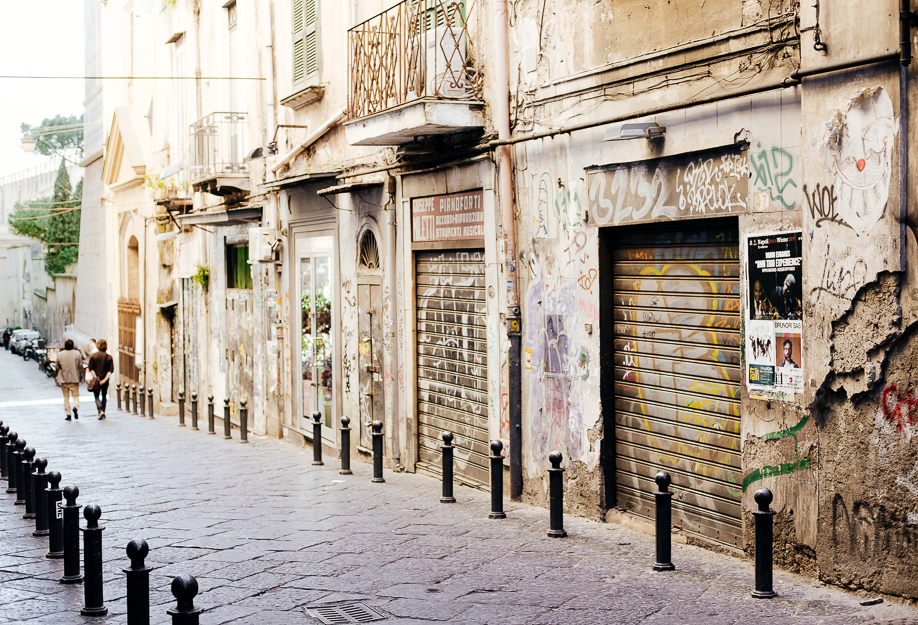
[{"x": 267, "y": 535}]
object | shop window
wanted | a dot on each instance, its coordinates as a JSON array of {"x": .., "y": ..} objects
[{"x": 238, "y": 269}]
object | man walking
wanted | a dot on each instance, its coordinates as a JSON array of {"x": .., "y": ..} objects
[
  {"x": 70, "y": 374},
  {"x": 102, "y": 366}
]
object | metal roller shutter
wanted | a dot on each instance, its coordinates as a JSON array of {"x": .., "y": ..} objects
[
  {"x": 452, "y": 361},
  {"x": 678, "y": 374}
]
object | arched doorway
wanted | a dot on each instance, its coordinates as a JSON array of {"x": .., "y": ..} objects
[
  {"x": 370, "y": 333},
  {"x": 129, "y": 314}
]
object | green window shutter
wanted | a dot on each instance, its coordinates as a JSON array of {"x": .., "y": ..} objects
[
  {"x": 310, "y": 35},
  {"x": 299, "y": 43}
]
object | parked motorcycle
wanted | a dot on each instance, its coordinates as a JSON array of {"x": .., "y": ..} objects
[
  {"x": 28, "y": 351},
  {"x": 48, "y": 363}
]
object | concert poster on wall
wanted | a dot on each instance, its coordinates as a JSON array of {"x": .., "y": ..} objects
[{"x": 774, "y": 314}]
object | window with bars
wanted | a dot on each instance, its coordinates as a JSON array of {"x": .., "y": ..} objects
[{"x": 305, "y": 41}]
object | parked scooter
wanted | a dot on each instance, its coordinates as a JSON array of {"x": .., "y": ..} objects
[
  {"x": 48, "y": 362},
  {"x": 28, "y": 350}
]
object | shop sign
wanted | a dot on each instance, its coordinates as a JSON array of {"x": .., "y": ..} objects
[{"x": 453, "y": 217}]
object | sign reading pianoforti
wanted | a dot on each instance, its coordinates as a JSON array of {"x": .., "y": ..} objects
[{"x": 453, "y": 217}]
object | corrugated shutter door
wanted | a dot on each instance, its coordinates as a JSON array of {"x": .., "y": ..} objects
[
  {"x": 452, "y": 361},
  {"x": 677, "y": 375}
]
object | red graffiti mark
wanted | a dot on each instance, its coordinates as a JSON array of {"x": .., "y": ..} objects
[
  {"x": 586, "y": 279},
  {"x": 401, "y": 378},
  {"x": 630, "y": 376},
  {"x": 900, "y": 407}
]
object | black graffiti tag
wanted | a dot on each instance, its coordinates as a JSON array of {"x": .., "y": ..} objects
[{"x": 822, "y": 205}]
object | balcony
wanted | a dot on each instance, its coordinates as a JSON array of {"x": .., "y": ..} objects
[
  {"x": 411, "y": 74},
  {"x": 218, "y": 150}
]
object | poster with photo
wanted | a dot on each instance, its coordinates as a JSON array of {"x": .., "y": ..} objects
[{"x": 774, "y": 315}]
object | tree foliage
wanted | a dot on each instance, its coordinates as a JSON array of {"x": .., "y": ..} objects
[
  {"x": 52, "y": 143},
  {"x": 54, "y": 222}
]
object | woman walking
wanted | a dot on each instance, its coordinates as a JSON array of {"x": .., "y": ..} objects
[{"x": 101, "y": 365}]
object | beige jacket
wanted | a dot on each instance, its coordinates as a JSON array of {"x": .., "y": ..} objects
[{"x": 70, "y": 366}]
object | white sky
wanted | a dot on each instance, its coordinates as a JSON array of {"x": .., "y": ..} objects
[{"x": 37, "y": 38}]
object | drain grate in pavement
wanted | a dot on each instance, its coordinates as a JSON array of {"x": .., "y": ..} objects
[{"x": 345, "y": 613}]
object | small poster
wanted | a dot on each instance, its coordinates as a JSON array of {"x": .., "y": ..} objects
[{"x": 774, "y": 316}]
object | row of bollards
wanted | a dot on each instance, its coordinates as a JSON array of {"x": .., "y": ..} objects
[
  {"x": 764, "y": 535},
  {"x": 211, "y": 416},
  {"x": 142, "y": 399},
  {"x": 43, "y": 500}
]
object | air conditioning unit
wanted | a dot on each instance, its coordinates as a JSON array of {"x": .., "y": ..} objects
[
  {"x": 441, "y": 58},
  {"x": 261, "y": 242}
]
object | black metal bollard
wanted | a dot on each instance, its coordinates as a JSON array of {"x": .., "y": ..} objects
[
  {"x": 93, "y": 603},
  {"x": 4, "y": 440},
  {"x": 150, "y": 401},
  {"x": 181, "y": 409},
  {"x": 28, "y": 482},
  {"x": 55, "y": 517},
  {"x": 40, "y": 499},
  {"x": 184, "y": 589},
  {"x": 138, "y": 583},
  {"x": 134, "y": 394},
  {"x": 18, "y": 456},
  {"x": 227, "y": 424},
  {"x": 664, "y": 521},
  {"x": 210, "y": 414},
  {"x": 194, "y": 410},
  {"x": 447, "y": 449},
  {"x": 118, "y": 395},
  {"x": 345, "y": 447},
  {"x": 317, "y": 439},
  {"x": 71, "y": 537},
  {"x": 143, "y": 402},
  {"x": 556, "y": 496},
  {"x": 497, "y": 481},
  {"x": 377, "y": 452},
  {"x": 243, "y": 421},
  {"x": 12, "y": 437},
  {"x": 764, "y": 545}
]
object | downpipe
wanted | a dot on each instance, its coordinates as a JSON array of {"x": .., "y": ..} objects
[
  {"x": 906, "y": 19},
  {"x": 505, "y": 193}
]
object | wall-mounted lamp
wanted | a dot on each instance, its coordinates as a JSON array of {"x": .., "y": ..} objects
[
  {"x": 649, "y": 130},
  {"x": 28, "y": 143}
]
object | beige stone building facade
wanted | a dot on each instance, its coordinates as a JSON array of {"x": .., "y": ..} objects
[{"x": 653, "y": 237}]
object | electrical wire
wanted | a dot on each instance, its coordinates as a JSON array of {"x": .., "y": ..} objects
[{"x": 69, "y": 210}]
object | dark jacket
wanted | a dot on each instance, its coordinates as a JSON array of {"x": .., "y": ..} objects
[{"x": 101, "y": 364}]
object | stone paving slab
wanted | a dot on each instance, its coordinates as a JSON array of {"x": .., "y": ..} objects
[{"x": 268, "y": 535}]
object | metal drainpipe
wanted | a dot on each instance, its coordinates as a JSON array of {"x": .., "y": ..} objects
[
  {"x": 392, "y": 323},
  {"x": 905, "y": 58},
  {"x": 505, "y": 194}
]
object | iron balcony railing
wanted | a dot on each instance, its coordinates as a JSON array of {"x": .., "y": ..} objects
[
  {"x": 217, "y": 146},
  {"x": 418, "y": 49}
]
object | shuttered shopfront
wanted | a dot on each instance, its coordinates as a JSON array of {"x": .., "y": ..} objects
[
  {"x": 452, "y": 361},
  {"x": 678, "y": 373}
]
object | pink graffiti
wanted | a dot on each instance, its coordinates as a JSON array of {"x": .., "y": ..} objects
[
  {"x": 588, "y": 310},
  {"x": 504, "y": 416},
  {"x": 401, "y": 378},
  {"x": 900, "y": 406}
]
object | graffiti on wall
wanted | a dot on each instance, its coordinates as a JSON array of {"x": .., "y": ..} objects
[
  {"x": 856, "y": 146},
  {"x": 773, "y": 170},
  {"x": 900, "y": 407},
  {"x": 709, "y": 185}
]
